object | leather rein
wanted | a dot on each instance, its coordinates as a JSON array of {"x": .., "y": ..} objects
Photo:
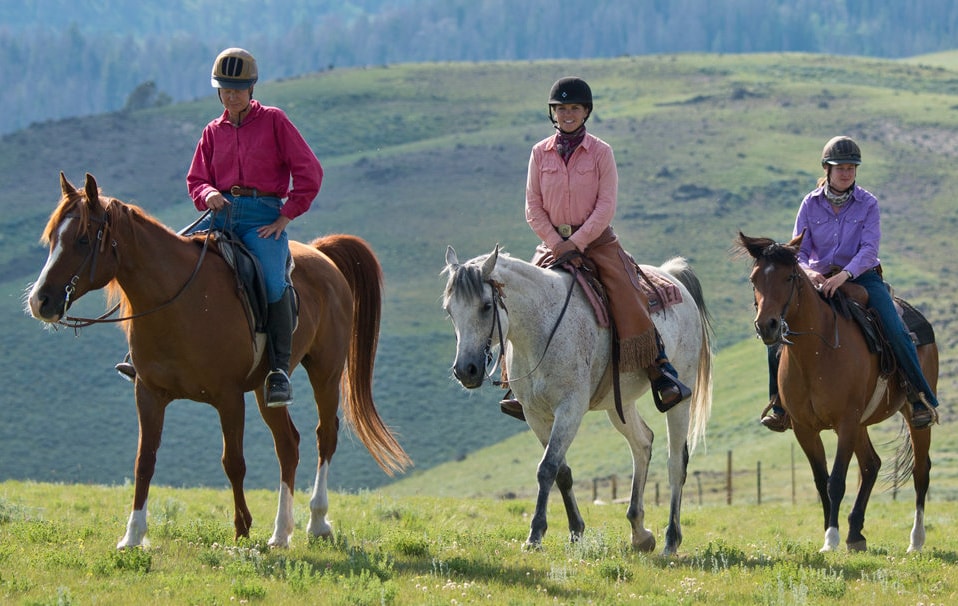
[
  {"x": 91, "y": 259},
  {"x": 786, "y": 331},
  {"x": 493, "y": 362}
]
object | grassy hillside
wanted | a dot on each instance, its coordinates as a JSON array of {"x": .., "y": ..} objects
[
  {"x": 421, "y": 156},
  {"x": 57, "y": 547}
]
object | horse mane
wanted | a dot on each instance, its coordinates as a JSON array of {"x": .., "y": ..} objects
[{"x": 466, "y": 278}]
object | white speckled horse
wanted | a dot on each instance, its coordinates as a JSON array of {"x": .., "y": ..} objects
[{"x": 558, "y": 357}]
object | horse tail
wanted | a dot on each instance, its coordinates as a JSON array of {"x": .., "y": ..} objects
[
  {"x": 356, "y": 261},
  {"x": 904, "y": 459},
  {"x": 701, "y": 405}
]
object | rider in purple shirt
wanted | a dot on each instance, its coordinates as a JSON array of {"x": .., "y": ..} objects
[{"x": 842, "y": 230}]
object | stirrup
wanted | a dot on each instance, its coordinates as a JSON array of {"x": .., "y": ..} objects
[
  {"x": 923, "y": 414},
  {"x": 668, "y": 382},
  {"x": 126, "y": 370},
  {"x": 774, "y": 421},
  {"x": 512, "y": 407}
]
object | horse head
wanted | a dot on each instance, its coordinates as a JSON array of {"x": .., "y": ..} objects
[
  {"x": 78, "y": 261},
  {"x": 473, "y": 302},
  {"x": 775, "y": 279}
]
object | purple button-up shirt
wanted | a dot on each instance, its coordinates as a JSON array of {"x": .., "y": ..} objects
[{"x": 847, "y": 239}]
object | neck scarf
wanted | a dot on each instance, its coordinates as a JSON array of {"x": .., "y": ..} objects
[
  {"x": 840, "y": 198},
  {"x": 566, "y": 143}
]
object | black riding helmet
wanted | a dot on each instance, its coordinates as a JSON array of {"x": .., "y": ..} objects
[
  {"x": 570, "y": 90},
  {"x": 841, "y": 150}
]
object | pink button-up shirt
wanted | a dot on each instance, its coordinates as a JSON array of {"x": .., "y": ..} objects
[
  {"x": 264, "y": 152},
  {"x": 582, "y": 192}
]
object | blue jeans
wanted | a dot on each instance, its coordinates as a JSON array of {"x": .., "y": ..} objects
[
  {"x": 242, "y": 217},
  {"x": 895, "y": 331}
]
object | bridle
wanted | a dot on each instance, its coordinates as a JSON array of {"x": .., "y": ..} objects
[
  {"x": 492, "y": 362},
  {"x": 91, "y": 259},
  {"x": 784, "y": 331}
]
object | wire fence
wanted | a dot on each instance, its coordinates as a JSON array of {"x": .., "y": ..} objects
[{"x": 782, "y": 482}]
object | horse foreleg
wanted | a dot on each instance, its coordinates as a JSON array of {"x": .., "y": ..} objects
[
  {"x": 639, "y": 437},
  {"x": 556, "y": 441},
  {"x": 564, "y": 484},
  {"x": 286, "y": 446},
  {"x": 151, "y": 411},
  {"x": 836, "y": 488},
  {"x": 869, "y": 463},
  {"x": 233, "y": 423},
  {"x": 811, "y": 444}
]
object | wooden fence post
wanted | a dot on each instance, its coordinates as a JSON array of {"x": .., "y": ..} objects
[
  {"x": 758, "y": 480},
  {"x": 728, "y": 489}
]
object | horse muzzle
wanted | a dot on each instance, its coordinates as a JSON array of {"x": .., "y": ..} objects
[
  {"x": 470, "y": 371},
  {"x": 45, "y": 307},
  {"x": 771, "y": 331}
]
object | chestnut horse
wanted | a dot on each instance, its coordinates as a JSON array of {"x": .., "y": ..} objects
[
  {"x": 828, "y": 379},
  {"x": 190, "y": 338}
]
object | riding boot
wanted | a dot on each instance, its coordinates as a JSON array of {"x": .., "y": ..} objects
[
  {"x": 126, "y": 369},
  {"x": 279, "y": 338},
  {"x": 667, "y": 390}
]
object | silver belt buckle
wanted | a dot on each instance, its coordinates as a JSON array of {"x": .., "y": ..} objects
[
  {"x": 565, "y": 230},
  {"x": 235, "y": 190}
]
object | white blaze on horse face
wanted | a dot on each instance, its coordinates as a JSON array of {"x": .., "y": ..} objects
[{"x": 53, "y": 259}]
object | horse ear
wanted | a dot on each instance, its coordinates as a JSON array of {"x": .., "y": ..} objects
[
  {"x": 490, "y": 263},
  {"x": 65, "y": 186},
  {"x": 752, "y": 245},
  {"x": 451, "y": 258},
  {"x": 796, "y": 242},
  {"x": 92, "y": 191}
]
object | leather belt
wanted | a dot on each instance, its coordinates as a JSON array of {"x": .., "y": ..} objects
[
  {"x": 251, "y": 192},
  {"x": 565, "y": 230}
]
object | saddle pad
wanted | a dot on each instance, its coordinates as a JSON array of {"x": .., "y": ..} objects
[
  {"x": 661, "y": 293},
  {"x": 917, "y": 324}
]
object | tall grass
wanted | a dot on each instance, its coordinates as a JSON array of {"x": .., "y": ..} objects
[{"x": 57, "y": 547}]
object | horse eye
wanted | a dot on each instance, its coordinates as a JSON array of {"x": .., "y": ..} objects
[{"x": 486, "y": 306}]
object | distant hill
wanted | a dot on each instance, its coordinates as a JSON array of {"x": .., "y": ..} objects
[
  {"x": 421, "y": 156},
  {"x": 67, "y": 58}
]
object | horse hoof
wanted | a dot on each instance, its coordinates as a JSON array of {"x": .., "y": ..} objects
[
  {"x": 529, "y": 546},
  {"x": 646, "y": 545},
  {"x": 857, "y": 545}
]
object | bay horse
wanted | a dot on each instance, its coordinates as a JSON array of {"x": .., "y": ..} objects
[
  {"x": 190, "y": 338},
  {"x": 558, "y": 361},
  {"x": 828, "y": 379}
]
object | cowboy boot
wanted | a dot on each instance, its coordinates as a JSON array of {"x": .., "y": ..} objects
[
  {"x": 667, "y": 390},
  {"x": 279, "y": 338}
]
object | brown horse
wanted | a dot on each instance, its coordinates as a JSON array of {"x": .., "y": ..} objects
[
  {"x": 189, "y": 336},
  {"x": 828, "y": 379}
]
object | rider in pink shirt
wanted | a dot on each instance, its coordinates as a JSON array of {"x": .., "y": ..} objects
[{"x": 571, "y": 191}]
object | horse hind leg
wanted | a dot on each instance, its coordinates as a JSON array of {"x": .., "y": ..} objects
[
  {"x": 327, "y": 394},
  {"x": 921, "y": 467},
  {"x": 639, "y": 437}
]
